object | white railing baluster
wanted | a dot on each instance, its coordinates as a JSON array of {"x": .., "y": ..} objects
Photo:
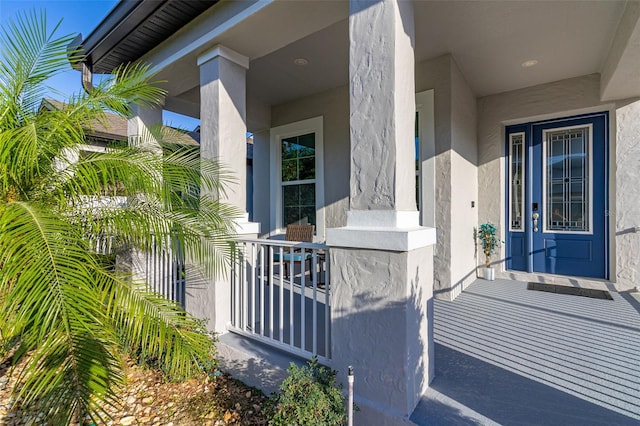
[
  {"x": 303, "y": 302},
  {"x": 327, "y": 310},
  {"x": 280, "y": 305},
  {"x": 271, "y": 312},
  {"x": 262, "y": 289},
  {"x": 252, "y": 275},
  {"x": 314, "y": 280},
  {"x": 236, "y": 292},
  {"x": 245, "y": 294}
]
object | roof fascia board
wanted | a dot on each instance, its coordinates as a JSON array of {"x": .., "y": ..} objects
[
  {"x": 203, "y": 41},
  {"x": 122, "y": 19}
]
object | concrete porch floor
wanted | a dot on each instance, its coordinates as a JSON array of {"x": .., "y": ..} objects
[{"x": 512, "y": 356}]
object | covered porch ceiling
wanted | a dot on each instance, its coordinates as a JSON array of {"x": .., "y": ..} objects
[{"x": 491, "y": 41}]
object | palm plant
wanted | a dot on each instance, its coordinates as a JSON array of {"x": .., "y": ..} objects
[{"x": 64, "y": 310}]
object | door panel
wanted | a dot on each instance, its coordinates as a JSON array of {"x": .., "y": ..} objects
[{"x": 566, "y": 198}]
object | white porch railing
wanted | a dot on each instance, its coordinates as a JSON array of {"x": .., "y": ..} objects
[
  {"x": 280, "y": 296},
  {"x": 165, "y": 273}
]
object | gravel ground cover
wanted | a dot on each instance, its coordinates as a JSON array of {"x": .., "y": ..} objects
[{"x": 148, "y": 399}]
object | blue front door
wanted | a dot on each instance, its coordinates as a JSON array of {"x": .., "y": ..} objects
[{"x": 557, "y": 196}]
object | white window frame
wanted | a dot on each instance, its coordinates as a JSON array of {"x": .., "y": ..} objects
[
  {"x": 544, "y": 178},
  {"x": 311, "y": 125},
  {"x": 522, "y": 178}
]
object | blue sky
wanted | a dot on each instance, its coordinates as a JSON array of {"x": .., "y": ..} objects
[{"x": 78, "y": 16}]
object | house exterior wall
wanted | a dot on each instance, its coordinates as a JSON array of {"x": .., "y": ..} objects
[
  {"x": 456, "y": 175},
  {"x": 464, "y": 183},
  {"x": 333, "y": 106},
  {"x": 562, "y": 99},
  {"x": 261, "y": 185},
  {"x": 626, "y": 215}
]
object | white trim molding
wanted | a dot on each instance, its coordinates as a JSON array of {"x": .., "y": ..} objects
[
  {"x": 224, "y": 52},
  {"x": 379, "y": 238}
]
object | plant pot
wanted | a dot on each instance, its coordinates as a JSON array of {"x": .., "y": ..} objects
[{"x": 489, "y": 273}]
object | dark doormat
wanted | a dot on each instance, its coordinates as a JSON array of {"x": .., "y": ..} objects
[{"x": 573, "y": 291}]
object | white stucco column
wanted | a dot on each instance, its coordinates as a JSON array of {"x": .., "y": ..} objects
[
  {"x": 382, "y": 261},
  {"x": 223, "y": 132},
  {"x": 139, "y": 126},
  {"x": 223, "y": 128}
]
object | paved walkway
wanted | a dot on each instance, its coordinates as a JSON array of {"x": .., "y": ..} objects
[{"x": 512, "y": 356}]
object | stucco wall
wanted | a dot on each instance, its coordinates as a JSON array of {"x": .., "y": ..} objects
[
  {"x": 456, "y": 176},
  {"x": 561, "y": 99},
  {"x": 382, "y": 293},
  {"x": 464, "y": 182},
  {"x": 627, "y": 206},
  {"x": 436, "y": 75},
  {"x": 333, "y": 105},
  {"x": 261, "y": 187}
]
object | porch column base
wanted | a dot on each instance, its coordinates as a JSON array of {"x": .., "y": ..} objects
[
  {"x": 382, "y": 230},
  {"x": 210, "y": 300},
  {"x": 382, "y": 316}
]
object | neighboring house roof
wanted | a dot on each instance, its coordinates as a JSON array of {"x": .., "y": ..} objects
[
  {"x": 134, "y": 27},
  {"x": 114, "y": 127}
]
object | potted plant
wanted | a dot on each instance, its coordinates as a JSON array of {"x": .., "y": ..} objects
[{"x": 489, "y": 241}]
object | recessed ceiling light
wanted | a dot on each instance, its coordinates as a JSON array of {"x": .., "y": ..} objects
[
  {"x": 529, "y": 63},
  {"x": 300, "y": 61}
]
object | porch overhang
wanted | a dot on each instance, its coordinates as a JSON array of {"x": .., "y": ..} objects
[
  {"x": 620, "y": 78},
  {"x": 498, "y": 38}
]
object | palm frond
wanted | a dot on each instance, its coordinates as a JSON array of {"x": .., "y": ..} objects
[
  {"x": 157, "y": 326},
  {"x": 48, "y": 284},
  {"x": 31, "y": 54}
]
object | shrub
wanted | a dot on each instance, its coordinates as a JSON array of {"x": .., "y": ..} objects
[{"x": 309, "y": 395}]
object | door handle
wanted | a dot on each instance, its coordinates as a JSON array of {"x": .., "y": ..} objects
[{"x": 535, "y": 217}]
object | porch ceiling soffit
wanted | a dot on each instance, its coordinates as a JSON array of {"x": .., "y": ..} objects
[
  {"x": 253, "y": 29},
  {"x": 491, "y": 39},
  {"x": 621, "y": 77}
]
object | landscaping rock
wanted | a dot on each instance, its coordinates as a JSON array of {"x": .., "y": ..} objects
[{"x": 149, "y": 399}]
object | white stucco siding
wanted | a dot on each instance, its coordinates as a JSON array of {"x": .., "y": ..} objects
[
  {"x": 562, "y": 99},
  {"x": 436, "y": 75},
  {"x": 627, "y": 207},
  {"x": 261, "y": 186},
  {"x": 456, "y": 174},
  {"x": 333, "y": 106},
  {"x": 464, "y": 182}
]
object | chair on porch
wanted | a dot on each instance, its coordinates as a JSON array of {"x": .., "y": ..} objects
[{"x": 300, "y": 233}]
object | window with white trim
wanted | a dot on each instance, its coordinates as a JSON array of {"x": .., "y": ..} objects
[{"x": 297, "y": 182}]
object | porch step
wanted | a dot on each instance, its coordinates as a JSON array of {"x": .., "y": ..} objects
[{"x": 254, "y": 363}]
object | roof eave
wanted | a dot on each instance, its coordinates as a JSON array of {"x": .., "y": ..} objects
[{"x": 125, "y": 17}]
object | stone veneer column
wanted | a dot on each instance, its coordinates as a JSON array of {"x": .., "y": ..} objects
[
  {"x": 223, "y": 132},
  {"x": 382, "y": 261}
]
